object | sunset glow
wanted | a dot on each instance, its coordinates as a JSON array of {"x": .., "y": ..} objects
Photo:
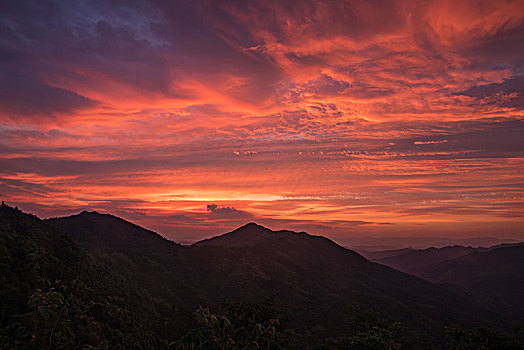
[{"x": 341, "y": 118}]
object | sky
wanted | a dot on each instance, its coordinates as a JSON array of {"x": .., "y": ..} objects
[{"x": 356, "y": 120}]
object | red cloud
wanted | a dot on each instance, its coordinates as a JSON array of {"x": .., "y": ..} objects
[{"x": 337, "y": 116}]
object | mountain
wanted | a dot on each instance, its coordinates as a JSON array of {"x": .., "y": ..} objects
[
  {"x": 152, "y": 285},
  {"x": 414, "y": 261},
  {"x": 107, "y": 233},
  {"x": 502, "y": 245},
  {"x": 496, "y": 275},
  {"x": 155, "y": 263},
  {"x": 312, "y": 275},
  {"x": 54, "y": 294},
  {"x": 332, "y": 272},
  {"x": 248, "y": 236},
  {"x": 381, "y": 254}
]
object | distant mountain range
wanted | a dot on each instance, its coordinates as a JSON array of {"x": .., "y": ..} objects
[
  {"x": 374, "y": 244},
  {"x": 136, "y": 270},
  {"x": 373, "y": 255},
  {"x": 495, "y": 273}
]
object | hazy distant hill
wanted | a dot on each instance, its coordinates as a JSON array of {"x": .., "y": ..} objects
[
  {"x": 381, "y": 254},
  {"x": 496, "y": 274},
  {"x": 414, "y": 261}
]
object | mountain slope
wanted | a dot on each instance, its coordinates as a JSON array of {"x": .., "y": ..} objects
[
  {"x": 54, "y": 294},
  {"x": 144, "y": 256},
  {"x": 418, "y": 260},
  {"x": 380, "y": 254},
  {"x": 315, "y": 279},
  {"x": 496, "y": 274},
  {"x": 105, "y": 232},
  {"x": 137, "y": 288},
  {"x": 342, "y": 275},
  {"x": 246, "y": 236}
]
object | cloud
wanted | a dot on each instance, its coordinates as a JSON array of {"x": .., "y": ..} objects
[
  {"x": 227, "y": 212},
  {"x": 509, "y": 93},
  {"x": 301, "y": 112},
  {"x": 432, "y": 142},
  {"x": 26, "y": 96}
]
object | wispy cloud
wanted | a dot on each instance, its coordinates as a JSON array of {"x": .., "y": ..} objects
[{"x": 339, "y": 116}]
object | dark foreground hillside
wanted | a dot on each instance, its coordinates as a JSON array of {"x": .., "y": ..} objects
[
  {"x": 53, "y": 294},
  {"x": 97, "y": 280}
]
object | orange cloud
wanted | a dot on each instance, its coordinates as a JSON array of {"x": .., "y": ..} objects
[{"x": 346, "y": 118}]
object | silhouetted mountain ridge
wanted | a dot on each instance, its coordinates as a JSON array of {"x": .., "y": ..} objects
[
  {"x": 253, "y": 235},
  {"x": 315, "y": 279},
  {"x": 248, "y": 235},
  {"x": 106, "y": 231},
  {"x": 313, "y": 276},
  {"x": 417, "y": 261}
]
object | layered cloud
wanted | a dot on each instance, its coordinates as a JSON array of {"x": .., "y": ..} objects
[{"x": 348, "y": 118}]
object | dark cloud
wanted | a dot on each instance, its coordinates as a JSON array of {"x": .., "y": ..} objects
[
  {"x": 501, "y": 50},
  {"x": 512, "y": 89},
  {"x": 514, "y": 84},
  {"x": 138, "y": 47},
  {"x": 495, "y": 139},
  {"x": 227, "y": 212},
  {"x": 26, "y": 97},
  {"x": 356, "y": 19}
]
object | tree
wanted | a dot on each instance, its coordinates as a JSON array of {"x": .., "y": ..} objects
[
  {"x": 247, "y": 326},
  {"x": 482, "y": 338}
]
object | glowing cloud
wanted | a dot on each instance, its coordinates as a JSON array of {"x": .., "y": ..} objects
[{"x": 345, "y": 118}]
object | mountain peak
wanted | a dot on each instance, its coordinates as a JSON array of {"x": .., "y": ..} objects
[
  {"x": 251, "y": 228},
  {"x": 106, "y": 230},
  {"x": 252, "y": 224},
  {"x": 91, "y": 213},
  {"x": 248, "y": 235},
  {"x": 95, "y": 215}
]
